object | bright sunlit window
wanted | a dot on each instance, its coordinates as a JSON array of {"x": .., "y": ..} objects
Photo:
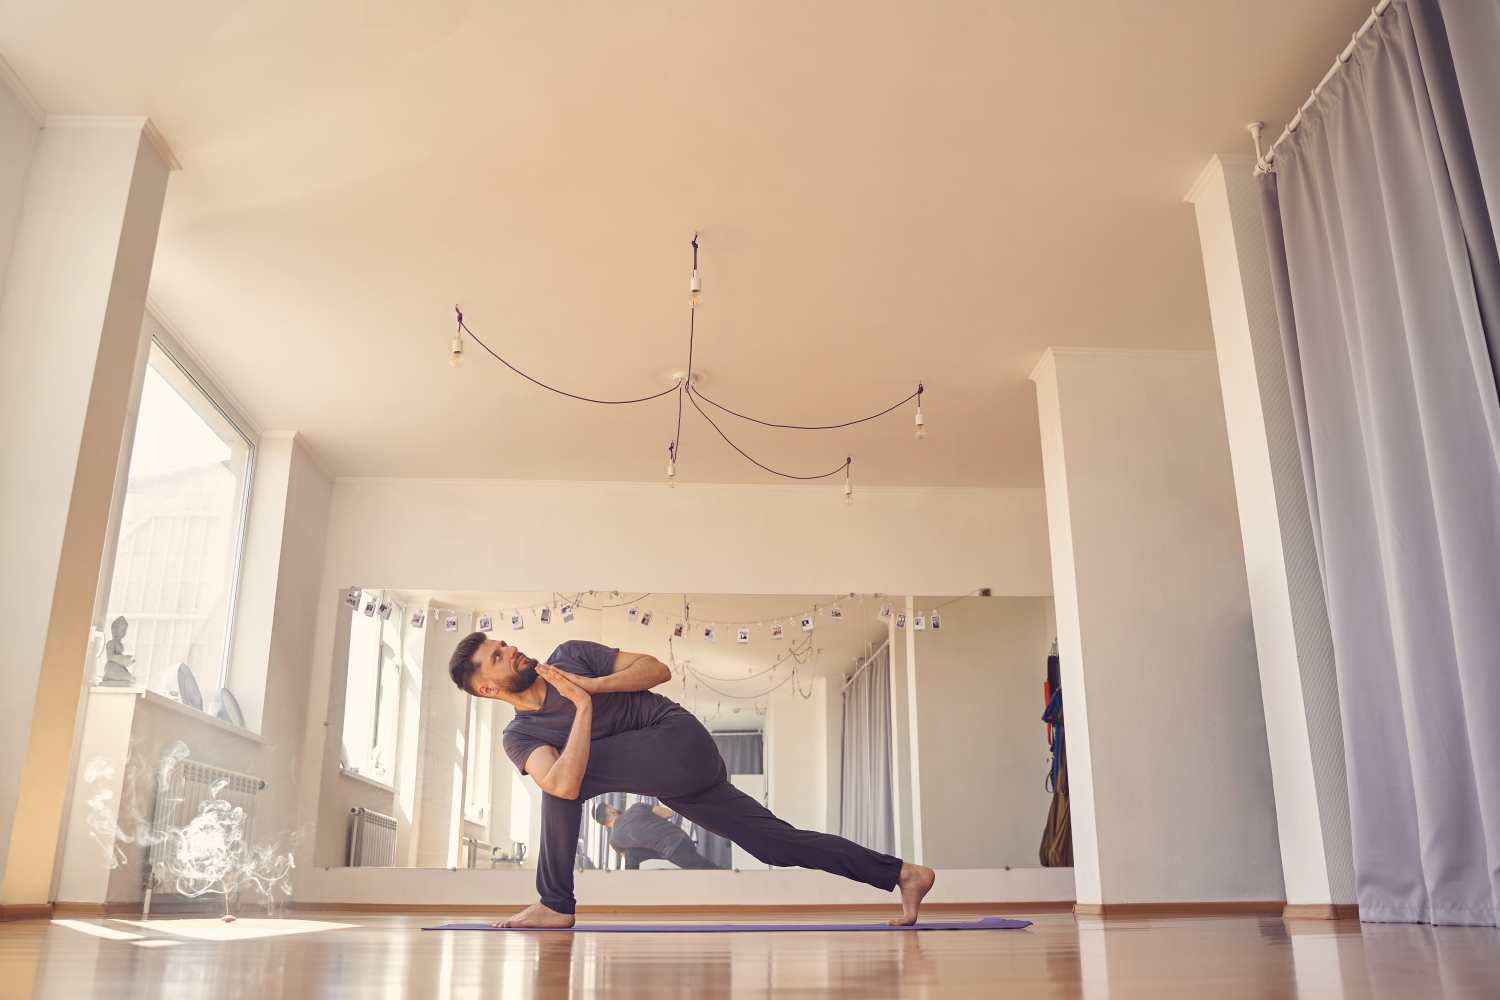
[
  {"x": 181, "y": 529},
  {"x": 481, "y": 749}
]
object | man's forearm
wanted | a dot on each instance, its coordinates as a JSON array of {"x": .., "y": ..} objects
[
  {"x": 640, "y": 674},
  {"x": 566, "y": 776}
]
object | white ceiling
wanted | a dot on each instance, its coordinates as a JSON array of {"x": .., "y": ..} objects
[{"x": 887, "y": 192}]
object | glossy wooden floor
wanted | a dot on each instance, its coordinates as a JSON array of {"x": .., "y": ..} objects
[{"x": 386, "y": 956}]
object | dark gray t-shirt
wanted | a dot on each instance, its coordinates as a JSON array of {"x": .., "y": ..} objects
[
  {"x": 614, "y": 711},
  {"x": 638, "y": 826}
]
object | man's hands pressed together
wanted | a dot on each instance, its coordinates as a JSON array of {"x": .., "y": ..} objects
[{"x": 575, "y": 687}]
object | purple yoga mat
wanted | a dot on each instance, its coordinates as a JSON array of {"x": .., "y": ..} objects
[{"x": 985, "y": 924}]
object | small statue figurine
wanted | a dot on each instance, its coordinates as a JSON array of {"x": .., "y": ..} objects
[{"x": 117, "y": 662}]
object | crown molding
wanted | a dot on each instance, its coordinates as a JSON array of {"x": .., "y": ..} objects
[
  {"x": 145, "y": 125},
  {"x": 1219, "y": 161},
  {"x": 13, "y": 82},
  {"x": 1050, "y": 355}
]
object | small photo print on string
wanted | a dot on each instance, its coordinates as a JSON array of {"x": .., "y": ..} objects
[
  {"x": 567, "y": 612},
  {"x": 545, "y": 616},
  {"x": 352, "y": 598},
  {"x": 777, "y": 631},
  {"x": 885, "y": 612},
  {"x": 836, "y": 614},
  {"x": 710, "y": 634},
  {"x": 919, "y": 624},
  {"x": 516, "y": 621},
  {"x": 450, "y": 622},
  {"x": 901, "y": 619},
  {"x": 743, "y": 635},
  {"x": 385, "y": 611},
  {"x": 677, "y": 630},
  {"x": 634, "y": 614},
  {"x": 935, "y": 621},
  {"x": 418, "y": 617},
  {"x": 807, "y": 623},
  {"x": 646, "y": 617},
  {"x": 485, "y": 623},
  {"x": 370, "y": 605}
]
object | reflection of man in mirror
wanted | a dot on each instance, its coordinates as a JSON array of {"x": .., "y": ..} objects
[
  {"x": 587, "y": 723},
  {"x": 644, "y": 832}
]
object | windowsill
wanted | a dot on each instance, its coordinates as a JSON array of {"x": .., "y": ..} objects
[
  {"x": 174, "y": 705},
  {"x": 366, "y": 779}
]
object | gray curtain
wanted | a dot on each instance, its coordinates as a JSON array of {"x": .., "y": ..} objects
[
  {"x": 743, "y": 753},
  {"x": 1381, "y": 223},
  {"x": 865, "y": 806}
]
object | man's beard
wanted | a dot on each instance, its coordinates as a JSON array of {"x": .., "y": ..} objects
[{"x": 522, "y": 679}]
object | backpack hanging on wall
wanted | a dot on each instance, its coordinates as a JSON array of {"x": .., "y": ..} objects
[{"x": 1057, "y": 836}]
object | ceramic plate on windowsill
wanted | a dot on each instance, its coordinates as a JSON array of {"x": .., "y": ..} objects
[
  {"x": 229, "y": 708},
  {"x": 187, "y": 687}
]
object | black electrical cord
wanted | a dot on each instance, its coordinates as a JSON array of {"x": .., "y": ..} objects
[
  {"x": 810, "y": 427},
  {"x": 693, "y": 398},
  {"x": 586, "y": 399}
]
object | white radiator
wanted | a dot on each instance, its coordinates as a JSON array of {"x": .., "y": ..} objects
[
  {"x": 372, "y": 839},
  {"x": 179, "y": 798}
]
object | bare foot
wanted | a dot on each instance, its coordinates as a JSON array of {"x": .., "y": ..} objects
[
  {"x": 537, "y": 915},
  {"x": 915, "y": 882}
]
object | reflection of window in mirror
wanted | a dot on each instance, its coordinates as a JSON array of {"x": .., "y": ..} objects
[
  {"x": 372, "y": 691},
  {"x": 477, "y": 782}
]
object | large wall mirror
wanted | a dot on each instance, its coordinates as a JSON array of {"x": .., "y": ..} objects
[{"x": 904, "y": 724}]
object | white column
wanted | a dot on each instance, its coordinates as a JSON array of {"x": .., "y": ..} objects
[
  {"x": 913, "y": 737},
  {"x": 1168, "y": 768},
  {"x": 70, "y": 323},
  {"x": 1293, "y": 645}
]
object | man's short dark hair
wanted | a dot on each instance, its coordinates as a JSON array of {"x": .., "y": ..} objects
[
  {"x": 601, "y": 812},
  {"x": 461, "y": 667}
]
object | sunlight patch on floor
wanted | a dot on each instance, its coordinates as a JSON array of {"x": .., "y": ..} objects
[
  {"x": 97, "y": 930},
  {"x": 244, "y": 929}
]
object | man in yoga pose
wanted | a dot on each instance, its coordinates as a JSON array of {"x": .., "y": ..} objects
[
  {"x": 644, "y": 833},
  {"x": 587, "y": 723}
]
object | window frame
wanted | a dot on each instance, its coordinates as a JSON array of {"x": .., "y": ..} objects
[
  {"x": 188, "y": 372},
  {"x": 191, "y": 376}
]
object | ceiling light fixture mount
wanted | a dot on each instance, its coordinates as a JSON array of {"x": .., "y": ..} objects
[{"x": 684, "y": 384}]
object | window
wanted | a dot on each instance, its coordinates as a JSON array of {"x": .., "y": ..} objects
[
  {"x": 181, "y": 530},
  {"x": 372, "y": 692},
  {"x": 481, "y": 750}
]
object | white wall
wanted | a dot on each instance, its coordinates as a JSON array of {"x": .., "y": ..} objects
[
  {"x": 797, "y": 766},
  {"x": 982, "y": 746},
  {"x": 1168, "y": 765},
  {"x": 20, "y": 128}
]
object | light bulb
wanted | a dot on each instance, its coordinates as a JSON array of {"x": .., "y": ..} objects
[
  {"x": 921, "y": 425},
  {"x": 848, "y": 493},
  {"x": 456, "y": 352},
  {"x": 671, "y": 469},
  {"x": 695, "y": 288}
]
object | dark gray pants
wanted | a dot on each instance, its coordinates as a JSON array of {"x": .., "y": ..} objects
[
  {"x": 677, "y": 761},
  {"x": 683, "y": 854}
]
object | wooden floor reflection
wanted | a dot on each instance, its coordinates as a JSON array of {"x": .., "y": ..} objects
[{"x": 388, "y": 957}]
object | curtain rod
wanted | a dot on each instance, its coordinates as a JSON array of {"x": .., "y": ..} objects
[
  {"x": 861, "y": 668},
  {"x": 1264, "y": 162}
]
